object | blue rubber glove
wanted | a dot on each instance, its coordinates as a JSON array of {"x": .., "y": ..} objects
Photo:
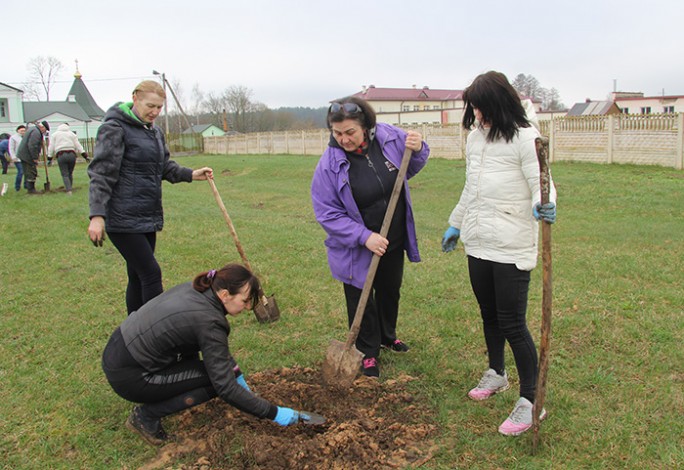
[
  {"x": 449, "y": 239},
  {"x": 286, "y": 416},
  {"x": 545, "y": 212},
  {"x": 241, "y": 381}
]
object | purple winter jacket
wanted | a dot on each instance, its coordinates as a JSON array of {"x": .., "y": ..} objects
[{"x": 338, "y": 214}]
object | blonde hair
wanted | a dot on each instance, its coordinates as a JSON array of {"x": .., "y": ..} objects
[{"x": 150, "y": 86}]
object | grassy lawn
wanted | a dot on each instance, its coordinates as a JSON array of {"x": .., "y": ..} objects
[{"x": 615, "y": 392}]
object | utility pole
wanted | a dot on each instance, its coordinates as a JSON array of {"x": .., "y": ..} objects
[
  {"x": 166, "y": 108},
  {"x": 180, "y": 108}
]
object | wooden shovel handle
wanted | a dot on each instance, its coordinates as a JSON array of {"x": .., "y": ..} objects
[
  {"x": 370, "y": 277},
  {"x": 231, "y": 227},
  {"x": 541, "y": 145}
]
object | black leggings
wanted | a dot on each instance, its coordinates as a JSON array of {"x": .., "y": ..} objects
[
  {"x": 501, "y": 290},
  {"x": 379, "y": 322},
  {"x": 182, "y": 384},
  {"x": 144, "y": 273}
]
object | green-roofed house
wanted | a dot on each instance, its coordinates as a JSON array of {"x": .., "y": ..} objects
[
  {"x": 207, "y": 130},
  {"x": 79, "y": 110}
]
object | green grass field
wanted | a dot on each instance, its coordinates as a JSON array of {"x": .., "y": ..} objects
[{"x": 616, "y": 381}]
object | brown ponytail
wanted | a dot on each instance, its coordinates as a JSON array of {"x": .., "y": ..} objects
[{"x": 231, "y": 277}]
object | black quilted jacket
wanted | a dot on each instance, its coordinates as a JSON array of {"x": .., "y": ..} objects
[{"x": 129, "y": 163}]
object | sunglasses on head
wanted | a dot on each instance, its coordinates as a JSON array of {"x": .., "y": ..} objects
[{"x": 348, "y": 108}]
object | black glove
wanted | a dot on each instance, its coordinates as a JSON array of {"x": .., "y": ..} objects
[{"x": 85, "y": 156}]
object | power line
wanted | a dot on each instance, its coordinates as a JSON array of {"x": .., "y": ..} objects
[{"x": 139, "y": 77}]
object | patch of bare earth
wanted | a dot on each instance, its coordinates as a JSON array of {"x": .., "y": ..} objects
[{"x": 373, "y": 425}]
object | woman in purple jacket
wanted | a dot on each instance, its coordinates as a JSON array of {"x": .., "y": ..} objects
[{"x": 350, "y": 191}]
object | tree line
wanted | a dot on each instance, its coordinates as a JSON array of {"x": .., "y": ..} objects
[{"x": 235, "y": 109}]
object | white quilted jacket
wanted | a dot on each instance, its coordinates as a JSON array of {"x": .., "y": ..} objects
[{"x": 494, "y": 212}]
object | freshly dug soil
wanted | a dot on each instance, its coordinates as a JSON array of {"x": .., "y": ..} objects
[{"x": 373, "y": 425}]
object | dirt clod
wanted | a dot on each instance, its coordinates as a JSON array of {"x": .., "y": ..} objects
[{"x": 372, "y": 425}]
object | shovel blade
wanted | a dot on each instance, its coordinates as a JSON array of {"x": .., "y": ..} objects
[
  {"x": 341, "y": 365},
  {"x": 267, "y": 312}
]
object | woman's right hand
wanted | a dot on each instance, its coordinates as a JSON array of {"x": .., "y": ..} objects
[
  {"x": 377, "y": 244},
  {"x": 96, "y": 230},
  {"x": 286, "y": 416}
]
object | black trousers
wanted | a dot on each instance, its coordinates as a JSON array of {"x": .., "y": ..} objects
[
  {"x": 144, "y": 273},
  {"x": 501, "y": 290},
  {"x": 181, "y": 385},
  {"x": 30, "y": 171},
  {"x": 380, "y": 317}
]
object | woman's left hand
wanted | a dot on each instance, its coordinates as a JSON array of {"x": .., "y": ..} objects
[
  {"x": 202, "y": 174},
  {"x": 414, "y": 141}
]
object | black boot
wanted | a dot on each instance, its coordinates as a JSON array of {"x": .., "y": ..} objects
[{"x": 149, "y": 428}]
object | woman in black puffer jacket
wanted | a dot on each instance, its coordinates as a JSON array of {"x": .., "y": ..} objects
[{"x": 129, "y": 163}]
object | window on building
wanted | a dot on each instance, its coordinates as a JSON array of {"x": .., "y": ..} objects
[
  {"x": 645, "y": 110},
  {"x": 435, "y": 106},
  {"x": 624, "y": 110},
  {"x": 4, "y": 110},
  {"x": 416, "y": 107},
  {"x": 426, "y": 107},
  {"x": 405, "y": 107},
  {"x": 668, "y": 109}
]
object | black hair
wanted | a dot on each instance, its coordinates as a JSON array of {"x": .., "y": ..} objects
[
  {"x": 20, "y": 126},
  {"x": 231, "y": 277},
  {"x": 366, "y": 117},
  {"x": 493, "y": 95}
]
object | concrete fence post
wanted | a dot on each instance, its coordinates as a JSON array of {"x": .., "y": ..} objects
[
  {"x": 679, "y": 157},
  {"x": 609, "y": 144},
  {"x": 552, "y": 138}
]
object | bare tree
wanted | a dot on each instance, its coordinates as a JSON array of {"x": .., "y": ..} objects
[
  {"x": 238, "y": 100},
  {"x": 528, "y": 85},
  {"x": 552, "y": 100},
  {"x": 42, "y": 71},
  {"x": 197, "y": 101}
]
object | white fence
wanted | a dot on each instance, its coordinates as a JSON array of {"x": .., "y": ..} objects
[{"x": 638, "y": 139}]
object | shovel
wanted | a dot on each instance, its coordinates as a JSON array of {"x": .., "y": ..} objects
[
  {"x": 46, "y": 185},
  {"x": 343, "y": 360},
  {"x": 541, "y": 145},
  {"x": 266, "y": 310}
]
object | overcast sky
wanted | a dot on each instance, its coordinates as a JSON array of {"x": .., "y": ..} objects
[{"x": 306, "y": 53}]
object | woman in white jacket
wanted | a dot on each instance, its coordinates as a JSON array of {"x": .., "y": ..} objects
[
  {"x": 65, "y": 145},
  {"x": 496, "y": 219}
]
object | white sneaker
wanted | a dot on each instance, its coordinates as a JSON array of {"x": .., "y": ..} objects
[
  {"x": 520, "y": 419},
  {"x": 4, "y": 189},
  {"x": 490, "y": 383}
]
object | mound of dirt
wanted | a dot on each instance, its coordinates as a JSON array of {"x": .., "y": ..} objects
[{"x": 375, "y": 424}]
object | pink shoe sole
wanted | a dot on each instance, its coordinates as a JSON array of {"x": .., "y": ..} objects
[
  {"x": 478, "y": 394},
  {"x": 509, "y": 428}
]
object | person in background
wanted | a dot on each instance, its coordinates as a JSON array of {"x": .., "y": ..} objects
[
  {"x": 4, "y": 152},
  {"x": 29, "y": 154},
  {"x": 64, "y": 146},
  {"x": 129, "y": 163},
  {"x": 152, "y": 357},
  {"x": 14, "y": 143},
  {"x": 496, "y": 219},
  {"x": 350, "y": 192}
]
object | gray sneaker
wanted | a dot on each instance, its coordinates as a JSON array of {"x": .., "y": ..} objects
[
  {"x": 490, "y": 383},
  {"x": 520, "y": 419}
]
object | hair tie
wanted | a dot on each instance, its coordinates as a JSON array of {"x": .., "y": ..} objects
[{"x": 211, "y": 274}]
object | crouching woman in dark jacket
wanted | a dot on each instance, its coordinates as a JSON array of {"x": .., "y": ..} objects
[{"x": 152, "y": 358}]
